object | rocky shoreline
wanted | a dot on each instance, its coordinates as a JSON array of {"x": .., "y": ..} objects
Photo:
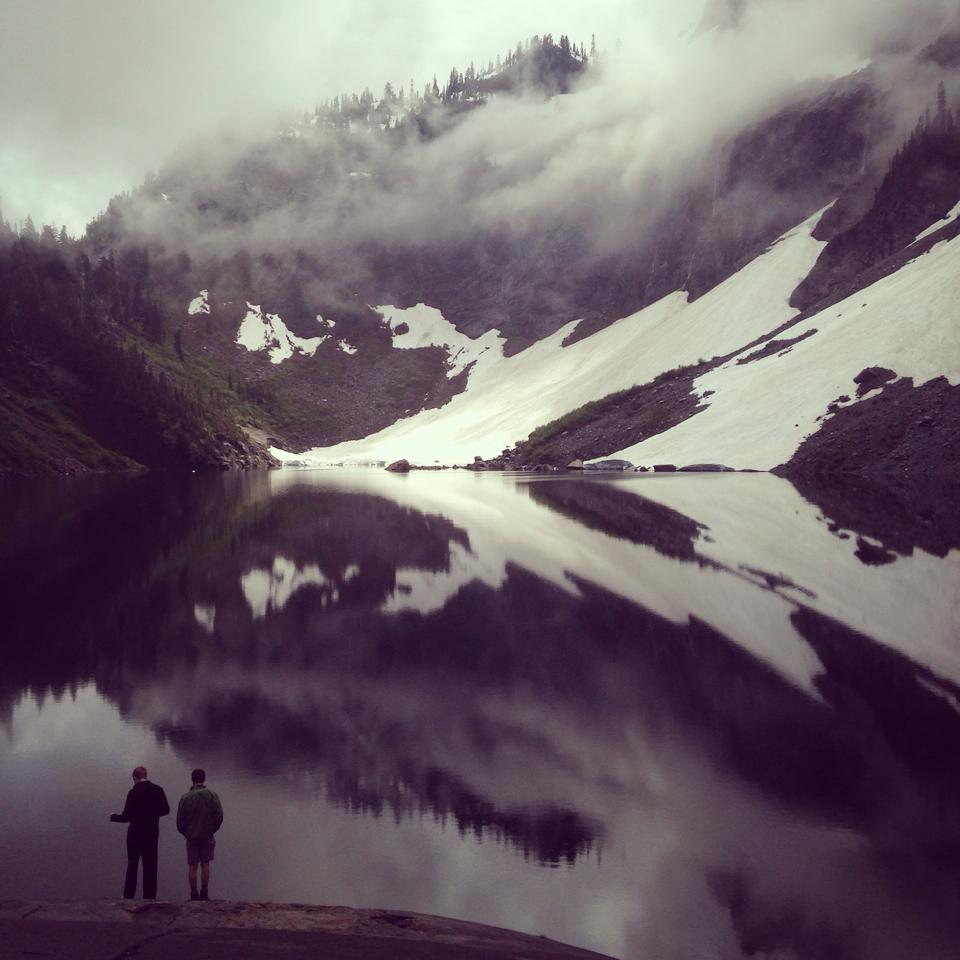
[{"x": 505, "y": 462}]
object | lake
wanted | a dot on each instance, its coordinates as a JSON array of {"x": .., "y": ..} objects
[{"x": 671, "y": 716}]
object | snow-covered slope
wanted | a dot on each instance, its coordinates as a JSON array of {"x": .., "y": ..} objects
[
  {"x": 761, "y": 411},
  {"x": 507, "y": 397},
  {"x": 756, "y": 413}
]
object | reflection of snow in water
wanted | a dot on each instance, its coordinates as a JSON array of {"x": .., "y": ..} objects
[
  {"x": 428, "y": 590},
  {"x": 508, "y": 396},
  {"x": 272, "y": 589},
  {"x": 205, "y": 614},
  {"x": 756, "y": 522}
]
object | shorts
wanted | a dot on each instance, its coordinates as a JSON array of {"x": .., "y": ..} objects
[{"x": 200, "y": 851}]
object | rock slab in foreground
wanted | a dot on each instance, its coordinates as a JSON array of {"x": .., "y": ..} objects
[{"x": 164, "y": 930}]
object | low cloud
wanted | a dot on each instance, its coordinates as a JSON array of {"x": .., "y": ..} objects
[{"x": 612, "y": 158}]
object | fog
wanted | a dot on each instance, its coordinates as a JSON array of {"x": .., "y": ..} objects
[{"x": 98, "y": 93}]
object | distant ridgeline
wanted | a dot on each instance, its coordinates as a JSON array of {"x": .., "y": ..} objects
[{"x": 247, "y": 290}]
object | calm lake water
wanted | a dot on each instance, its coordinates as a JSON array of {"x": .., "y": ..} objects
[{"x": 671, "y": 717}]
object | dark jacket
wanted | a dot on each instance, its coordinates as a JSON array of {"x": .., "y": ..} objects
[
  {"x": 199, "y": 814},
  {"x": 146, "y": 804}
]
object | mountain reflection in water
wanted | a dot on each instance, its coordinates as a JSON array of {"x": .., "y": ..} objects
[{"x": 692, "y": 692}]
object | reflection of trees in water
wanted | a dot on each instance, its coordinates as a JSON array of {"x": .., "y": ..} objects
[
  {"x": 108, "y": 571},
  {"x": 129, "y": 561},
  {"x": 550, "y": 835}
]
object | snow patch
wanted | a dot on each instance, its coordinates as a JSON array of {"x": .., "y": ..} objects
[
  {"x": 427, "y": 327},
  {"x": 346, "y": 347},
  {"x": 260, "y": 331},
  {"x": 271, "y": 589},
  {"x": 199, "y": 304}
]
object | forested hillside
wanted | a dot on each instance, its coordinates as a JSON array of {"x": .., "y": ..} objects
[{"x": 91, "y": 375}]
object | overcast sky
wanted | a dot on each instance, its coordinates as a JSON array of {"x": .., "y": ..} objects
[{"x": 93, "y": 93}]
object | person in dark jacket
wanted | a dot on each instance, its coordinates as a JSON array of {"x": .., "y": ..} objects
[
  {"x": 199, "y": 816},
  {"x": 146, "y": 804}
]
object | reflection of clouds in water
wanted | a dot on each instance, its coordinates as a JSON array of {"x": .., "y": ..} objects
[
  {"x": 673, "y": 818},
  {"x": 272, "y": 589}
]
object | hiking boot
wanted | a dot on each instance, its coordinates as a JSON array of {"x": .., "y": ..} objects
[{"x": 194, "y": 895}]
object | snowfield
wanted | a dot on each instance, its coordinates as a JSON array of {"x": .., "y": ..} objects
[{"x": 754, "y": 415}]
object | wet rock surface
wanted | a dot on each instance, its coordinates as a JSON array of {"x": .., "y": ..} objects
[{"x": 214, "y": 929}]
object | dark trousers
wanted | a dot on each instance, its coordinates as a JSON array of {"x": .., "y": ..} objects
[{"x": 144, "y": 848}]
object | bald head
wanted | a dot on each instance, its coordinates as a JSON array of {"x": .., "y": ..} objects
[{"x": 139, "y": 773}]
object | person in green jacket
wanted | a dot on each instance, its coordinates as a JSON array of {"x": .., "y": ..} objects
[{"x": 199, "y": 816}]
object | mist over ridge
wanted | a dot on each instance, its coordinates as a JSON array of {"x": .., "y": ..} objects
[{"x": 634, "y": 178}]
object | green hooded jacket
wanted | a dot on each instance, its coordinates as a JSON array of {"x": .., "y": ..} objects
[{"x": 199, "y": 813}]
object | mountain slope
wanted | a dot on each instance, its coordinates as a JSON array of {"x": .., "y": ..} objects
[
  {"x": 536, "y": 249},
  {"x": 507, "y": 397}
]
